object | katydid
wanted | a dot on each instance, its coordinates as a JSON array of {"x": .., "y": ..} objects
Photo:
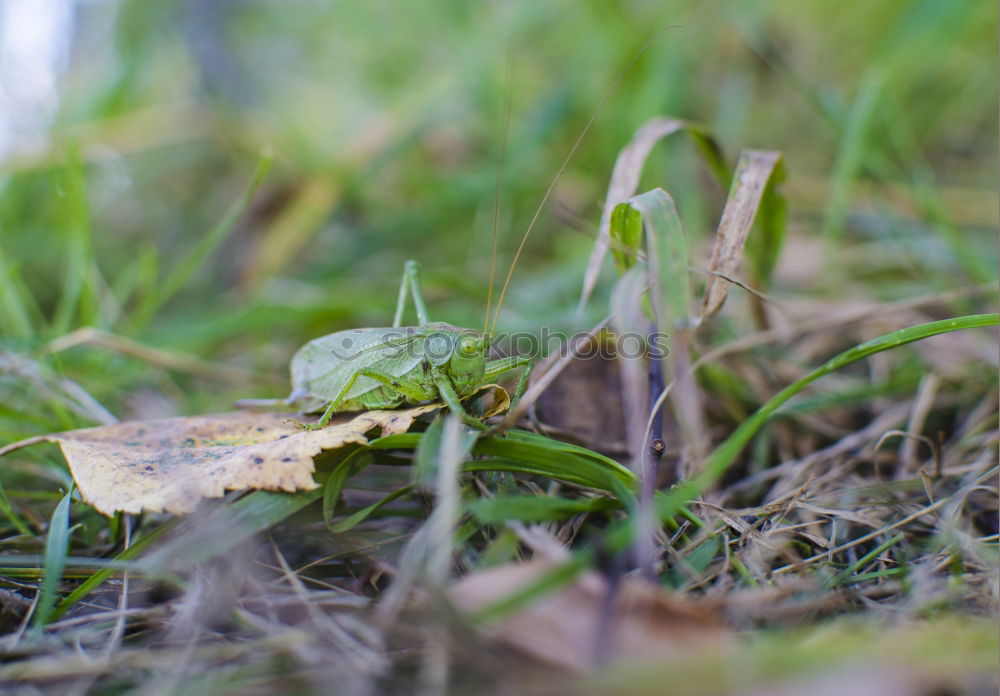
[{"x": 361, "y": 369}]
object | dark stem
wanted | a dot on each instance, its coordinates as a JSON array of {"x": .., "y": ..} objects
[
  {"x": 652, "y": 453},
  {"x": 612, "y": 566}
]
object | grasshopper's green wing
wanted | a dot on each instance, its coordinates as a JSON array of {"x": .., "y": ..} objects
[{"x": 322, "y": 367}]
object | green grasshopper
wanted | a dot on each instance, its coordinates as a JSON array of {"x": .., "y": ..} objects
[{"x": 362, "y": 369}]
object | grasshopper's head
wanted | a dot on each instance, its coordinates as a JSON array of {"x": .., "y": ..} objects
[
  {"x": 468, "y": 357},
  {"x": 459, "y": 352},
  {"x": 463, "y": 355}
]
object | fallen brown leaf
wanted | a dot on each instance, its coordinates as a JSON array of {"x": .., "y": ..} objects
[{"x": 565, "y": 627}]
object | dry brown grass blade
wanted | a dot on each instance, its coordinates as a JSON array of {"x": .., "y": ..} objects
[
  {"x": 752, "y": 175},
  {"x": 624, "y": 183},
  {"x": 172, "y": 360}
]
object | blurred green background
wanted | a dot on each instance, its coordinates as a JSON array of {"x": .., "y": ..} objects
[{"x": 385, "y": 121}]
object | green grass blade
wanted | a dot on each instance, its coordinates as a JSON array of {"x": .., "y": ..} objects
[
  {"x": 8, "y": 511},
  {"x": 536, "y": 508},
  {"x": 14, "y": 315},
  {"x": 334, "y": 486},
  {"x": 77, "y": 247},
  {"x": 549, "y": 458},
  {"x": 98, "y": 578},
  {"x": 851, "y": 154},
  {"x": 626, "y": 230},
  {"x": 626, "y": 176},
  {"x": 711, "y": 151},
  {"x": 356, "y": 518},
  {"x": 528, "y": 453},
  {"x": 847, "y": 574},
  {"x": 56, "y": 549},
  {"x": 431, "y": 450}
]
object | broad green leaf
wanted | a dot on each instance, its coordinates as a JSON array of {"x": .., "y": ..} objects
[{"x": 626, "y": 231}]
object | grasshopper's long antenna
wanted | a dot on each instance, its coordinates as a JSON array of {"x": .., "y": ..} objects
[
  {"x": 562, "y": 167},
  {"x": 496, "y": 193}
]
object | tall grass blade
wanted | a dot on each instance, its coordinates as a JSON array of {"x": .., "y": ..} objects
[
  {"x": 537, "y": 508},
  {"x": 201, "y": 251},
  {"x": 15, "y": 321},
  {"x": 76, "y": 244},
  {"x": 851, "y": 154},
  {"x": 334, "y": 486}
]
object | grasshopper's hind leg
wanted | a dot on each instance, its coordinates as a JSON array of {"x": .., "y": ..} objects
[
  {"x": 408, "y": 389},
  {"x": 411, "y": 281}
]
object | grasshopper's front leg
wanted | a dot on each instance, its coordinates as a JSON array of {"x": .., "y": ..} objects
[{"x": 450, "y": 398}]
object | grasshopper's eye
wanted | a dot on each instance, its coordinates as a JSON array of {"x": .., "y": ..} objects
[{"x": 467, "y": 344}]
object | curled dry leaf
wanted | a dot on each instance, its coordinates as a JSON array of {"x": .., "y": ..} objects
[
  {"x": 753, "y": 172},
  {"x": 169, "y": 465},
  {"x": 566, "y": 627}
]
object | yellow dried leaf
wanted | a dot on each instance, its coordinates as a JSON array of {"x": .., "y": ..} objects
[{"x": 169, "y": 465}]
